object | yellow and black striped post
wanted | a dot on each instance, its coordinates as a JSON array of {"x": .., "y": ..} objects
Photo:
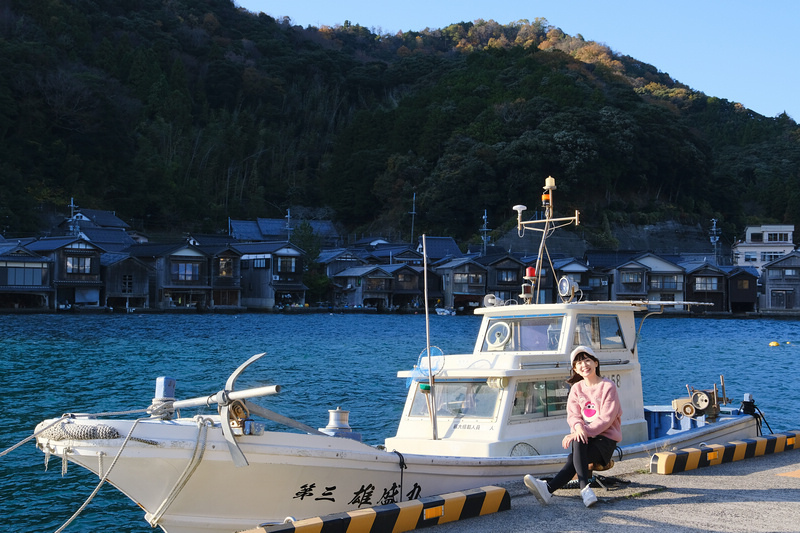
[
  {"x": 714, "y": 454},
  {"x": 404, "y": 516}
]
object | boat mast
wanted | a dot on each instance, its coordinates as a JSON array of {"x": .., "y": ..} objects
[
  {"x": 547, "y": 229},
  {"x": 431, "y": 393}
]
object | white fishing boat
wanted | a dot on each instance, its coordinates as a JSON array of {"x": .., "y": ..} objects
[{"x": 469, "y": 420}]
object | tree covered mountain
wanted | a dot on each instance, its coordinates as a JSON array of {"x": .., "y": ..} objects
[{"x": 178, "y": 114}]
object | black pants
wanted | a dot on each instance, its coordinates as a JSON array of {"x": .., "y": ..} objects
[{"x": 597, "y": 451}]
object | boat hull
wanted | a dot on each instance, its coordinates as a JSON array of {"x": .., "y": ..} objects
[{"x": 295, "y": 476}]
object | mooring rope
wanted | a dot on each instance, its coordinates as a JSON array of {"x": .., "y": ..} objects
[
  {"x": 197, "y": 456},
  {"x": 157, "y": 410},
  {"x": 36, "y": 434},
  {"x": 103, "y": 478}
]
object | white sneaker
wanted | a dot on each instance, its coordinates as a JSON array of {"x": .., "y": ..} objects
[
  {"x": 588, "y": 496},
  {"x": 538, "y": 488}
]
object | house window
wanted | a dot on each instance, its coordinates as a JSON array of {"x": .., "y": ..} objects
[
  {"x": 743, "y": 284},
  {"x": 664, "y": 282},
  {"x": 773, "y": 273},
  {"x": 790, "y": 273},
  {"x": 596, "y": 282},
  {"x": 226, "y": 267},
  {"x": 127, "y": 284},
  {"x": 705, "y": 283},
  {"x": 770, "y": 256},
  {"x": 750, "y": 257},
  {"x": 259, "y": 263},
  {"x": 402, "y": 278},
  {"x": 286, "y": 264},
  {"x": 778, "y": 237},
  {"x": 185, "y": 271},
  {"x": 79, "y": 265},
  {"x": 507, "y": 276},
  {"x": 30, "y": 276},
  {"x": 631, "y": 277},
  {"x": 472, "y": 279},
  {"x": 756, "y": 237}
]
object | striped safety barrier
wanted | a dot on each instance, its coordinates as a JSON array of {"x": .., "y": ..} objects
[
  {"x": 714, "y": 454},
  {"x": 404, "y": 516}
]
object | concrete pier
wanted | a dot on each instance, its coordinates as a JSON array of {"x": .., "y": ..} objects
[{"x": 760, "y": 494}]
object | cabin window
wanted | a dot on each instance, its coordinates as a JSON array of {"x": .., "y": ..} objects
[
  {"x": 526, "y": 334},
  {"x": 475, "y": 399},
  {"x": 601, "y": 332},
  {"x": 540, "y": 399}
]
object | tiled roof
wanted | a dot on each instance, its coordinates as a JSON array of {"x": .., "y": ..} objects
[
  {"x": 262, "y": 247},
  {"x": 274, "y": 229},
  {"x": 111, "y": 239},
  {"x": 362, "y": 271},
  {"x": 439, "y": 247},
  {"x": 104, "y": 219}
]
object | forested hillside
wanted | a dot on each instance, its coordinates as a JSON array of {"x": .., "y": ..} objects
[{"x": 177, "y": 114}]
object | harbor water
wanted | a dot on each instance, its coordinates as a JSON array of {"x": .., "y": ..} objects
[{"x": 52, "y": 364}]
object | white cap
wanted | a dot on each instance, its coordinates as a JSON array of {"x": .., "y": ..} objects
[{"x": 580, "y": 349}]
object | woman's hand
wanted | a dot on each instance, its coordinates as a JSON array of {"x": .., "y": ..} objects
[
  {"x": 580, "y": 433},
  {"x": 567, "y": 440}
]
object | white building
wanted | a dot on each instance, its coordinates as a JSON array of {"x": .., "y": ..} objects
[{"x": 763, "y": 244}]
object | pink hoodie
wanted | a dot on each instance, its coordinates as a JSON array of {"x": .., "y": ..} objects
[{"x": 596, "y": 408}]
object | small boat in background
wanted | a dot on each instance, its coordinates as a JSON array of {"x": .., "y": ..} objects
[{"x": 469, "y": 420}]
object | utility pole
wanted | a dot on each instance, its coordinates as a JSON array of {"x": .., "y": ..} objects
[
  {"x": 714, "y": 236},
  {"x": 413, "y": 213},
  {"x": 73, "y": 225},
  {"x": 288, "y": 225},
  {"x": 485, "y": 232}
]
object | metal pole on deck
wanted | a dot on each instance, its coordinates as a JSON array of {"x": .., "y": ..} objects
[{"x": 431, "y": 393}]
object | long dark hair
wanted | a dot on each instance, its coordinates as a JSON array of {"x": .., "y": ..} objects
[{"x": 574, "y": 376}]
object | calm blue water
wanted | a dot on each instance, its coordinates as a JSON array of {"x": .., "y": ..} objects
[{"x": 53, "y": 364}]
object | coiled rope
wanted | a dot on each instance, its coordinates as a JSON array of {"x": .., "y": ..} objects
[{"x": 68, "y": 431}]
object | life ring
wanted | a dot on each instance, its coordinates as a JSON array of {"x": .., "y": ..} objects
[{"x": 498, "y": 335}]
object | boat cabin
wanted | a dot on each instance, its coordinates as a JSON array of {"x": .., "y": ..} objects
[{"x": 509, "y": 396}]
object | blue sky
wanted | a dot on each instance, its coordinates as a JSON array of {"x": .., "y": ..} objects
[{"x": 742, "y": 51}]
